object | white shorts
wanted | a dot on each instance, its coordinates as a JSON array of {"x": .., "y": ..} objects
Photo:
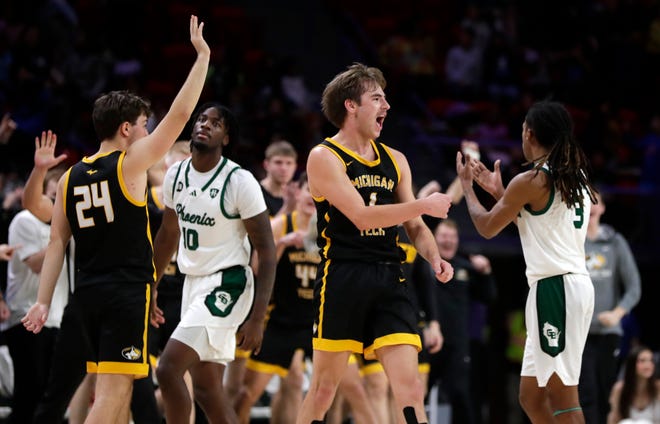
[
  {"x": 212, "y": 309},
  {"x": 557, "y": 316}
]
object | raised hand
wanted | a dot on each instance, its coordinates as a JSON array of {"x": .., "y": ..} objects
[
  {"x": 44, "y": 151},
  {"x": 197, "y": 37},
  {"x": 490, "y": 181},
  {"x": 464, "y": 170},
  {"x": 471, "y": 148}
]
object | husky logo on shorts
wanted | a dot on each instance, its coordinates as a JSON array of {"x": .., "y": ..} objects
[
  {"x": 131, "y": 353},
  {"x": 551, "y": 333},
  {"x": 222, "y": 299},
  {"x": 214, "y": 192}
]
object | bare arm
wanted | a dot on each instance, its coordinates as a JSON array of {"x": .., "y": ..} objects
[
  {"x": 258, "y": 228},
  {"x": 165, "y": 242},
  {"x": 60, "y": 233},
  {"x": 328, "y": 179},
  {"x": 145, "y": 152},
  {"x": 34, "y": 199},
  {"x": 526, "y": 188}
]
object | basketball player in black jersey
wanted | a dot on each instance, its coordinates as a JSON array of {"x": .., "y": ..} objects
[
  {"x": 101, "y": 202},
  {"x": 280, "y": 164},
  {"x": 363, "y": 190}
]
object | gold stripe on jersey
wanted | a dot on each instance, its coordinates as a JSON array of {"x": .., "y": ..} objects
[
  {"x": 328, "y": 241},
  {"x": 64, "y": 189},
  {"x": 396, "y": 165},
  {"x": 93, "y": 158},
  {"x": 156, "y": 199},
  {"x": 147, "y": 302},
  {"x": 122, "y": 184},
  {"x": 356, "y": 156},
  {"x": 393, "y": 339},
  {"x": 336, "y": 154},
  {"x": 151, "y": 243},
  {"x": 324, "y": 282}
]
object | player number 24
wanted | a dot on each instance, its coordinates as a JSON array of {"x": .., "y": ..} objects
[{"x": 95, "y": 195}]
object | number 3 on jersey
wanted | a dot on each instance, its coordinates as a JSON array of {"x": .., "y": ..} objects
[
  {"x": 579, "y": 214},
  {"x": 92, "y": 198}
]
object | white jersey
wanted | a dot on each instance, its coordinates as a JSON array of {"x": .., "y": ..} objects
[
  {"x": 553, "y": 238},
  {"x": 210, "y": 207},
  {"x": 31, "y": 235}
]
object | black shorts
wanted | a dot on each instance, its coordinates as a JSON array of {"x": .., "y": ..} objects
[
  {"x": 115, "y": 318},
  {"x": 361, "y": 307},
  {"x": 277, "y": 349}
]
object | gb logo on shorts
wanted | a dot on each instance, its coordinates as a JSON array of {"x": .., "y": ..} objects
[
  {"x": 551, "y": 314},
  {"x": 551, "y": 333},
  {"x": 221, "y": 300}
]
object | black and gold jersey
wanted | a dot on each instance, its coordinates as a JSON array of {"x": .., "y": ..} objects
[
  {"x": 293, "y": 292},
  {"x": 111, "y": 230},
  {"x": 273, "y": 203},
  {"x": 376, "y": 181}
]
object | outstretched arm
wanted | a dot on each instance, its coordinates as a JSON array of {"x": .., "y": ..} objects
[
  {"x": 328, "y": 179},
  {"x": 523, "y": 189},
  {"x": 34, "y": 200},
  {"x": 145, "y": 152}
]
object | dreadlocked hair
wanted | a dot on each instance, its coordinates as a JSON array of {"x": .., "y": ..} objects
[{"x": 569, "y": 168}]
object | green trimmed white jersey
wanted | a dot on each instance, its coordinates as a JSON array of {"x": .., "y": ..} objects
[
  {"x": 210, "y": 207},
  {"x": 553, "y": 238}
]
